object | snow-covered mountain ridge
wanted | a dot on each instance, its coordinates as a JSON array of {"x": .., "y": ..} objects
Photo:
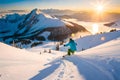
[{"x": 31, "y": 27}]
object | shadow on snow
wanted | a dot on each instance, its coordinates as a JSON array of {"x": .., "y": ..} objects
[
  {"x": 86, "y": 68},
  {"x": 47, "y": 71}
]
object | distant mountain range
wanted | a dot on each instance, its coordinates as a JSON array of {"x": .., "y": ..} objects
[
  {"x": 114, "y": 24},
  {"x": 34, "y": 27},
  {"x": 80, "y": 15}
]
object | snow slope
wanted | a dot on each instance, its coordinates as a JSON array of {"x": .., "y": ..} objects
[
  {"x": 86, "y": 42},
  {"x": 98, "y": 63},
  {"x": 17, "y": 64},
  {"x": 14, "y": 62},
  {"x": 94, "y": 40},
  {"x": 105, "y": 59}
]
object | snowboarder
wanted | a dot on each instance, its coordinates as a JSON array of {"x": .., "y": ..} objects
[{"x": 72, "y": 46}]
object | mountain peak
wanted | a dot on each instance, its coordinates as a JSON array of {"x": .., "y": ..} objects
[
  {"x": 36, "y": 11},
  {"x": 39, "y": 12}
]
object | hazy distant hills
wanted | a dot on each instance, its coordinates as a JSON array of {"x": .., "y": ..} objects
[
  {"x": 89, "y": 16},
  {"x": 114, "y": 24},
  {"x": 82, "y": 15}
]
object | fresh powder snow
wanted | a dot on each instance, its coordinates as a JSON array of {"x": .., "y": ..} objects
[{"x": 98, "y": 63}]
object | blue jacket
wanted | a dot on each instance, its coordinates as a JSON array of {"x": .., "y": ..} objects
[{"x": 72, "y": 45}]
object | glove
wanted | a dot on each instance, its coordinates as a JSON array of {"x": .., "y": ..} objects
[{"x": 76, "y": 43}]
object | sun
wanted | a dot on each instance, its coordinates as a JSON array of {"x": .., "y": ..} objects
[
  {"x": 100, "y": 8},
  {"x": 95, "y": 28},
  {"x": 100, "y": 5}
]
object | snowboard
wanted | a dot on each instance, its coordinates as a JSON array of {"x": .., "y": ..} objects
[{"x": 65, "y": 56}]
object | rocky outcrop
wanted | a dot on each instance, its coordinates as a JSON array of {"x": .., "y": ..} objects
[{"x": 59, "y": 33}]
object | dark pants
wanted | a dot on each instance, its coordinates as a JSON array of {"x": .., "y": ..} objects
[{"x": 70, "y": 51}]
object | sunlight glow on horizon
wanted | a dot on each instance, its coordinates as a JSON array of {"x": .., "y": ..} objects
[
  {"x": 95, "y": 28},
  {"x": 100, "y": 8},
  {"x": 76, "y": 5},
  {"x": 100, "y": 5}
]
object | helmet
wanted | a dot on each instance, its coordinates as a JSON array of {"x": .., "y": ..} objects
[{"x": 71, "y": 39}]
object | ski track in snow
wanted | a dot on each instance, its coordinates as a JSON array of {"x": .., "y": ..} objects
[
  {"x": 59, "y": 69},
  {"x": 65, "y": 71},
  {"x": 75, "y": 68}
]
